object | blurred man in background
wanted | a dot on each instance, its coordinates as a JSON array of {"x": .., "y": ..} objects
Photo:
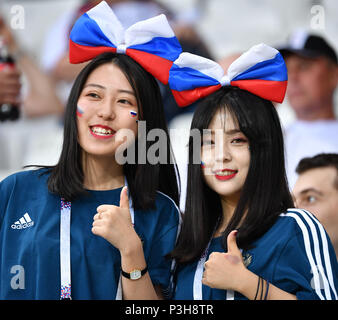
[
  {"x": 316, "y": 190},
  {"x": 312, "y": 80}
]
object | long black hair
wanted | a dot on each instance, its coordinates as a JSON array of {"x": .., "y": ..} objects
[
  {"x": 66, "y": 177},
  {"x": 265, "y": 193}
]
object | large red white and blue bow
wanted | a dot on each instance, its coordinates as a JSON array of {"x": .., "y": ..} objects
[
  {"x": 261, "y": 70},
  {"x": 151, "y": 42}
]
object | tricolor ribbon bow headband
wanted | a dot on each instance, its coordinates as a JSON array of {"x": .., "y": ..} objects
[
  {"x": 261, "y": 70},
  {"x": 151, "y": 42}
]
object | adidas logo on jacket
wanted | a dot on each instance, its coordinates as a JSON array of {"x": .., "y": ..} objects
[{"x": 23, "y": 223}]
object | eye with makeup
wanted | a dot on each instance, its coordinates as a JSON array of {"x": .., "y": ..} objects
[
  {"x": 93, "y": 95},
  {"x": 239, "y": 141},
  {"x": 125, "y": 101}
]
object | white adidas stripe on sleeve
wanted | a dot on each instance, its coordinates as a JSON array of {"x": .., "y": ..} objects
[
  {"x": 315, "y": 258},
  {"x": 325, "y": 248}
]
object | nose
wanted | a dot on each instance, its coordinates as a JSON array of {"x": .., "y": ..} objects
[
  {"x": 106, "y": 110},
  {"x": 222, "y": 152}
]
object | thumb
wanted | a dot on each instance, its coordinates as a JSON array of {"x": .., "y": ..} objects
[
  {"x": 124, "y": 200},
  {"x": 232, "y": 244}
]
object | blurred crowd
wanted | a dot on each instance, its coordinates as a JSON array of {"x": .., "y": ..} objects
[{"x": 40, "y": 90}]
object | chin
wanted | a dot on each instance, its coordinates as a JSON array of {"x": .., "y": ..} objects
[
  {"x": 300, "y": 105},
  {"x": 99, "y": 152},
  {"x": 226, "y": 191},
  {"x": 229, "y": 194}
]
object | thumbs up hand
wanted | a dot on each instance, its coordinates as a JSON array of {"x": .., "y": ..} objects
[
  {"x": 114, "y": 224},
  {"x": 225, "y": 270},
  {"x": 124, "y": 199}
]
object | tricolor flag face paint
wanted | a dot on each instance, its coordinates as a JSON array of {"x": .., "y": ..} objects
[
  {"x": 261, "y": 71},
  {"x": 79, "y": 111},
  {"x": 133, "y": 113},
  {"x": 151, "y": 42}
]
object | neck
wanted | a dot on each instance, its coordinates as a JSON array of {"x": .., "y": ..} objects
[
  {"x": 101, "y": 173},
  {"x": 324, "y": 112},
  {"x": 228, "y": 208}
]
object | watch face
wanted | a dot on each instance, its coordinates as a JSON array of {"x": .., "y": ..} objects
[{"x": 136, "y": 274}]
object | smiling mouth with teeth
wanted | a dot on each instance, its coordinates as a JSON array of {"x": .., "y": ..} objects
[
  {"x": 225, "y": 174},
  {"x": 102, "y": 132}
]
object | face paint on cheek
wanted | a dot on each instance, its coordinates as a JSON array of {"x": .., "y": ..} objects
[
  {"x": 133, "y": 113},
  {"x": 206, "y": 167},
  {"x": 79, "y": 111}
]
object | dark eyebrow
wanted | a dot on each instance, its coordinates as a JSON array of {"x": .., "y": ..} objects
[
  {"x": 126, "y": 91},
  {"x": 311, "y": 190},
  {"x": 209, "y": 132},
  {"x": 94, "y": 85},
  {"x": 233, "y": 131},
  {"x": 104, "y": 88}
]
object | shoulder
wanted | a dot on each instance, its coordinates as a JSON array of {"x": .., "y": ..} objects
[
  {"x": 164, "y": 200},
  {"x": 22, "y": 176},
  {"x": 300, "y": 221},
  {"x": 296, "y": 227},
  {"x": 20, "y": 188},
  {"x": 165, "y": 211},
  {"x": 25, "y": 179},
  {"x": 308, "y": 252},
  {"x": 305, "y": 236},
  {"x": 307, "y": 228},
  {"x": 162, "y": 221},
  {"x": 167, "y": 206}
]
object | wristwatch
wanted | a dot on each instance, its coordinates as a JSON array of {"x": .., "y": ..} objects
[{"x": 135, "y": 274}]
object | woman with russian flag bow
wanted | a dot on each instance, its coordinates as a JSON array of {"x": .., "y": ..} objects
[
  {"x": 93, "y": 226},
  {"x": 240, "y": 237}
]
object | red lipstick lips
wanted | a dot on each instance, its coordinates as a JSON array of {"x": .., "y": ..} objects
[
  {"x": 101, "y": 132},
  {"x": 225, "y": 174}
]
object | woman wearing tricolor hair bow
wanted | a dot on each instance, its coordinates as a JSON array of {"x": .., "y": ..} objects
[
  {"x": 240, "y": 236},
  {"x": 73, "y": 231}
]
